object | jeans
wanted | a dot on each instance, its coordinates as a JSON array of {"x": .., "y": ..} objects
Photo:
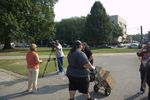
[{"x": 60, "y": 61}]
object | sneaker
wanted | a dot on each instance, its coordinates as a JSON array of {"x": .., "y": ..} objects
[
  {"x": 28, "y": 90},
  {"x": 141, "y": 92},
  {"x": 61, "y": 73}
]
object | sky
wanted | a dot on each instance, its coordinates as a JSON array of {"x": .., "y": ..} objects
[{"x": 135, "y": 12}]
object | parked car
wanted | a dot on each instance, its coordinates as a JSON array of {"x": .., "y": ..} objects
[
  {"x": 134, "y": 45},
  {"x": 104, "y": 46}
]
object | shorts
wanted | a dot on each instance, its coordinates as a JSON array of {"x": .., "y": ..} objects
[{"x": 78, "y": 83}]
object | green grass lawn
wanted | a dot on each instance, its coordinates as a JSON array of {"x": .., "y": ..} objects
[
  {"x": 23, "y": 51},
  {"x": 47, "y": 51},
  {"x": 19, "y": 66}
]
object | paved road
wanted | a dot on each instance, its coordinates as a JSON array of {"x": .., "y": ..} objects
[{"x": 123, "y": 67}]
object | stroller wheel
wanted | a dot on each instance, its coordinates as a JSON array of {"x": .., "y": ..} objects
[
  {"x": 107, "y": 91},
  {"x": 96, "y": 88}
]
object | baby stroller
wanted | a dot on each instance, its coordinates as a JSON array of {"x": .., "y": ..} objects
[{"x": 102, "y": 79}]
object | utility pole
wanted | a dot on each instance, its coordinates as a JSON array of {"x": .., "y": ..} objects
[
  {"x": 148, "y": 35},
  {"x": 141, "y": 35}
]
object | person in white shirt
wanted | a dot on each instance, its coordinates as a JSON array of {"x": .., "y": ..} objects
[{"x": 60, "y": 56}]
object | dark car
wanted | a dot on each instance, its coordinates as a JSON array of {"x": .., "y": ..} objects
[
  {"x": 104, "y": 46},
  {"x": 134, "y": 46}
]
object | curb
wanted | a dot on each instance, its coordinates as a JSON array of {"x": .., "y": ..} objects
[{"x": 12, "y": 73}]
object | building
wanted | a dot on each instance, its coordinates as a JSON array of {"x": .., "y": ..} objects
[{"x": 122, "y": 23}]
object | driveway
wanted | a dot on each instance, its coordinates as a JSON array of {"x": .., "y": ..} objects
[{"x": 123, "y": 67}]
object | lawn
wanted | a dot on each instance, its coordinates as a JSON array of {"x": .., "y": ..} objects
[
  {"x": 19, "y": 66},
  {"x": 23, "y": 51},
  {"x": 47, "y": 51}
]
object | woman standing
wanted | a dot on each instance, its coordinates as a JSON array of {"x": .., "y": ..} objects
[
  {"x": 33, "y": 62},
  {"x": 77, "y": 72},
  {"x": 86, "y": 49}
]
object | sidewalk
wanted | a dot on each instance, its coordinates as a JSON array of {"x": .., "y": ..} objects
[
  {"x": 8, "y": 78},
  {"x": 12, "y": 86},
  {"x": 51, "y": 87},
  {"x": 55, "y": 87}
]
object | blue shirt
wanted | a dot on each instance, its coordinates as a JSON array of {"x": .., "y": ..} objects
[{"x": 76, "y": 61}]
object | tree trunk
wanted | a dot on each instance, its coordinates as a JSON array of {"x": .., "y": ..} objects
[{"x": 7, "y": 44}]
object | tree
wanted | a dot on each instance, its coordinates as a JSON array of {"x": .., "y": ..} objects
[
  {"x": 98, "y": 27},
  {"x": 117, "y": 31},
  {"x": 70, "y": 29},
  {"x": 28, "y": 20},
  {"x": 8, "y": 21},
  {"x": 41, "y": 20},
  {"x": 136, "y": 37}
]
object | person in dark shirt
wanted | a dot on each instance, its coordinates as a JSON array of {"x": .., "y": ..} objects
[
  {"x": 86, "y": 49},
  {"x": 144, "y": 53},
  {"x": 144, "y": 57},
  {"x": 88, "y": 52},
  {"x": 77, "y": 72},
  {"x": 147, "y": 69}
]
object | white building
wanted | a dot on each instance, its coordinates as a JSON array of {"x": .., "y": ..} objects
[{"x": 122, "y": 23}]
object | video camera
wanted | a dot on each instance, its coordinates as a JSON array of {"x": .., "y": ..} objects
[{"x": 53, "y": 44}]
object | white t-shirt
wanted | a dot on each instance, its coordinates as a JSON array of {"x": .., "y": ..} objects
[{"x": 59, "y": 51}]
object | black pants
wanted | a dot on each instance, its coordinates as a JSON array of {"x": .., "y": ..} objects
[
  {"x": 143, "y": 83},
  {"x": 148, "y": 82}
]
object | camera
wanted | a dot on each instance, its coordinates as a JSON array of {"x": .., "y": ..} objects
[{"x": 53, "y": 45}]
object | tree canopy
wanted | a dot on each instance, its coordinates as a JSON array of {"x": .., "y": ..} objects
[
  {"x": 70, "y": 29},
  {"x": 98, "y": 27},
  {"x": 26, "y": 20},
  {"x": 117, "y": 31}
]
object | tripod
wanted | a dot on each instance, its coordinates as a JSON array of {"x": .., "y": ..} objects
[{"x": 49, "y": 59}]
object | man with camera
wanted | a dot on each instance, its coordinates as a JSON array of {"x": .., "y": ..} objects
[{"x": 57, "y": 47}]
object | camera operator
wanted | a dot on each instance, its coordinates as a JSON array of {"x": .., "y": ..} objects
[
  {"x": 53, "y": 45},
  {"x": 57, "y": 47}
]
